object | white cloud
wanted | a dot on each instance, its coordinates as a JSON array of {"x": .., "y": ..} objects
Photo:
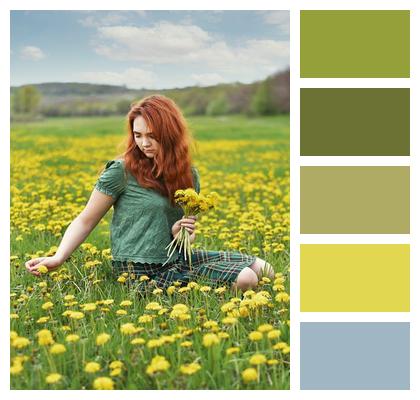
[
  {"x": 279, "y": 18},
  {"x": 32, "y": 53},
  {"x": 133, "y": 78},
  {"x": 168, "y": 43},
  {"x": 206, "y": 58},
  {"x": 207, "y": 79},
  {"x": 162, "y": 43},
  {"x": 141, "y": 13},
  {"x": 100, "y": 18}
]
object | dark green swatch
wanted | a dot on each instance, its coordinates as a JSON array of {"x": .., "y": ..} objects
[
  {"x": 355, "y": 122},
  {"x": 355, "y": 44},
  {"x": 354, "y": 200}
]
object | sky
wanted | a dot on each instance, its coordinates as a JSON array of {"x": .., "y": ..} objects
[{"x": 148, "y": 49}]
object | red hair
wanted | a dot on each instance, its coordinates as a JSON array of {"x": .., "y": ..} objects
[{"x": 171, "y": 168}]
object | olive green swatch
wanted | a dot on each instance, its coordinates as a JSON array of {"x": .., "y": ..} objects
[
  {"x": 355, "y": 122},
  {"x": 358, "y": 200},
  {"x": 355, "y": 43}
]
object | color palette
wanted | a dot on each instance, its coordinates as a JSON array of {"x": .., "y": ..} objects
[
  {"x": 372, "y": 355},
  {"x": 357, "y": 196},
  {"x": 355, "y": 277},
  {"x": 355, "y": 122},
  {"x": 355, "y": 44},
  {"x": 355, "y": 200}
]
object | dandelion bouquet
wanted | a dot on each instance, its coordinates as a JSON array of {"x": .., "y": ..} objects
[{"x": 192, "y": 203}]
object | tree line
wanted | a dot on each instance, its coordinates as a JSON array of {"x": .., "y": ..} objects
[{"x": 268, "y": 97}]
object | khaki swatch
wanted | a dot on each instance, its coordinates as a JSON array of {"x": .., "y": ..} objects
[
  {"x": 355, "y": 277},
  {"x": 358, "y": 200}
]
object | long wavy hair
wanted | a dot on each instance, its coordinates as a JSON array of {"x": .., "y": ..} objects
[{"x": 170, "y": 170}]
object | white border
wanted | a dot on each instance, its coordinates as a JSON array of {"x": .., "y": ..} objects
[{"x": 294, "y": 6}]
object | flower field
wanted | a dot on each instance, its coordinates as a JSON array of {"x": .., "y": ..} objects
[{"x": 85, "y": 327}]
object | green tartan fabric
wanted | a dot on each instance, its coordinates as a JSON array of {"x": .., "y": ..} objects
[{"x": 208, "y": 266}]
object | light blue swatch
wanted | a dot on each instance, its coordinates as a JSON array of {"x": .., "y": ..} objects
[{"x": 355, "y": 355}]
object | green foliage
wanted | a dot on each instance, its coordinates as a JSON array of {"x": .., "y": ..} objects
[
  {"x": 26, "y": 100},
  {"x": 262, "y": 101},
  {"x": 123, "y": 106},
  {"x": 218, "y": 106}
]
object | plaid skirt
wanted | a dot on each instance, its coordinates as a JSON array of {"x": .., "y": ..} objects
[{"x": 209, "y": 267}]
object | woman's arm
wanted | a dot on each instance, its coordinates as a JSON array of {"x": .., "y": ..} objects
[{"x": 97, "y": 206}]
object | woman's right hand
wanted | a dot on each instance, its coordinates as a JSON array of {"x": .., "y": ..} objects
[{"x": 51, "y": 263}]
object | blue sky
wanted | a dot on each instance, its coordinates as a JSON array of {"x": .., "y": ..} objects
[{"x": 148, "y": 49}]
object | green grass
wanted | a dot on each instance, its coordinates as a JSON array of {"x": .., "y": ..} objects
[{"x": 54, "y": 167}]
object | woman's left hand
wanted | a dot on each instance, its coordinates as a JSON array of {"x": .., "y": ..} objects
[{"x": 188, "y": 223}]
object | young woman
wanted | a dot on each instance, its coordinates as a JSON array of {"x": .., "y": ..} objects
[{"x": 140, "y": 186}]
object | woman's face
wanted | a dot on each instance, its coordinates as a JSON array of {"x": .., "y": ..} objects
[{"x": 145, "y": 138}]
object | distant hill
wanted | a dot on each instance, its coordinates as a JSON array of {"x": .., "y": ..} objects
[{"x": 76, "y": 99}]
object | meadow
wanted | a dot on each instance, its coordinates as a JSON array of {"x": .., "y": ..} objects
[{"x": 84, "y": 326}]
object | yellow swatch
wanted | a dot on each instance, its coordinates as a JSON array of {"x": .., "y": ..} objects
[{"x": 355, "y": 277}]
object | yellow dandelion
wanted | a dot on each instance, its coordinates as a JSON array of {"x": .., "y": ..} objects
[
  {"x": 116, "y": 364},
  {"x": 115, "y": 372},
  {"x": 189, "y": 369},
  {"x": 128, "y": 329},
  {"x": 279, "y": 346},
  {"x": 158, "y": 364},
  {"x": 258, "y": 359},
  {"x": 45, "y": 337},
  {"x": 265, "y": 328},
  {"x": 89, "y": 307},
  {"x": 53, "y": 378},
  {"x": 210, "y": 339},
  {"x": 47, "y": 305},
  {"x": 103, "y": 383},
  {"x": 143, "y": 319},
  {"x": 16, "y": 368},
  {"x": 76, "y": 315},
  {"x": 126, "y": 303},
  {"x": 229, "y": 320},
  {"x": 92, "y": 367},
  {"x": 20, "y": 342},
  {"x": 255, "y": 336},
  {"x": 153, "y": 306},
  {"x": 42, "y": 269},
  {"x": 138, "y": 341},
  {"x": 274, "y": 334},
  {"x": 232, "y": 350},
  {"x": 72, "y": 338},
  {"x": 249, "y": 375},
  {"x": 58, "y": 348},
  {"x": 102, "y": 338},
  {"x": 170, "y": 290}
]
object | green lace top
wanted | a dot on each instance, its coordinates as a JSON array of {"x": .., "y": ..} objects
[{"x": 142, "y": 218}]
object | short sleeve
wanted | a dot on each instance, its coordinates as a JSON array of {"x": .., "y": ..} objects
[
  {"x": 112, "y": 180},
  {"x": 196, "y": 179}
]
